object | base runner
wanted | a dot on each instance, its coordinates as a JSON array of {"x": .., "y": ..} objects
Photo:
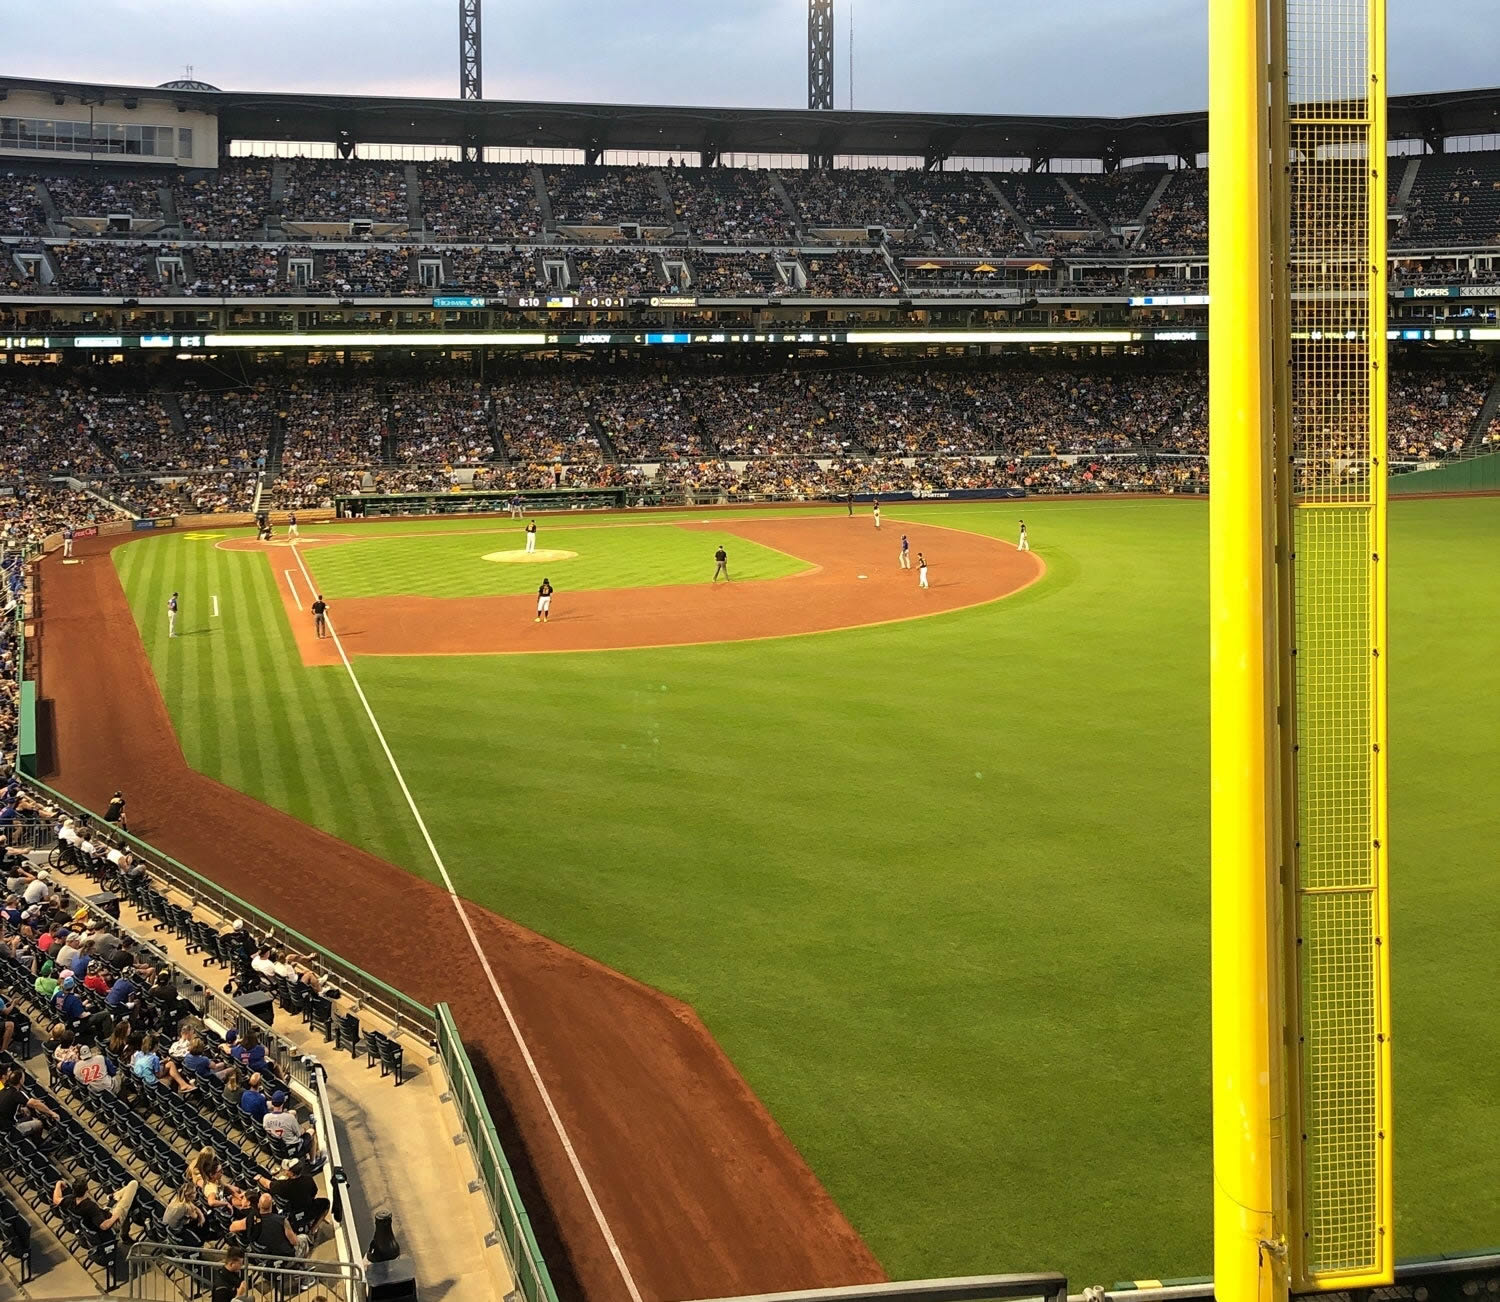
[
  {"x": 543, "y": 602},
  {"x": 905, "y": 553}
]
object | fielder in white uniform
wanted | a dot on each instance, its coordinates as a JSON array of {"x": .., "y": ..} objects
[
  {"x": 172, "y": 615},
  {"x": 543, "y": 602},
  {"x": 291, "y": 525},
  {"x": 1025, "y": 544},
  {"x": 877, "y": 515},
  {"x": 531, "y": 537},
  {"x": 921, "y": 570}
]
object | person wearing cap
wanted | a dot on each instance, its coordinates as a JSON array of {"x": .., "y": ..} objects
[
  {"x": 296, "y": 1190},
  {"x": 282, "y": 1123},
  {"x": 95, "y": 980},
  {"x": 66, "y": 1001},
  {"x": 65, "y": 953},
  {"x": 115, "y": 812},
  {"x": 46, "y": 982},
  {"x": 38, "y": 889}
]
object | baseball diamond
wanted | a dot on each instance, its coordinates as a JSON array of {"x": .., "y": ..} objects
[{"x": 672, "y": 755}]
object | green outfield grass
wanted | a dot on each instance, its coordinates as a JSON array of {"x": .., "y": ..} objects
[
  {"x": 386, "y": 561},
  {"x": 940, "y": 888}
]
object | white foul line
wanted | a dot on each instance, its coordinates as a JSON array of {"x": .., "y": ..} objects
[
  {"x": 216, "y": 605},
  {"x": 484, "y": 962},
  {"x": 293, "y": 586}
]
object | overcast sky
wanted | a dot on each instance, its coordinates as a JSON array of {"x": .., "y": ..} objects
[{"x": 976, "y": 56}]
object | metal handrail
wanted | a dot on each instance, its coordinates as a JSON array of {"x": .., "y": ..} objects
[
  {"x": 533, "y": 1280},
  {"x": 281, "y": 1277}
]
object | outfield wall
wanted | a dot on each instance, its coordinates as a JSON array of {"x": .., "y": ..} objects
[{"x": 1472, "y": 475}]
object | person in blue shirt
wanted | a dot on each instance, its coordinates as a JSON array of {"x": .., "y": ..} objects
[
  {"x": 120, "y": 993},
  {"x": 254, "y": 1101},
  {"x": 249, "y": 1052},
  {"x": 69, "y": 1006}
]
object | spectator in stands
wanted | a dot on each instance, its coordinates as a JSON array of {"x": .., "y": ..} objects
[
  {"x": 296, "y": 1190},
  {"x": 282, "y": 1123},
  {"x": 229, "y": 1280},
  {"x": 234, "y": 1086},
  {"x": 149, "y": 1067},
  {"x": 19, "y": 1114},
  {"x": 207, "y": 1174},
  {"x": 184, "y": 1213},
  {"x": 272, "y": 1233},
  {"x": 197, "y": 1063},
  {"x": 10, "y": 1022},
  {"x": 254, "y": 1101},
  {"x": 248, "y": 1052},
  {"x": 95, "y": 1071},
  {"x": 67, "y": 1003},
  {"x": 75, "y": 1198}
]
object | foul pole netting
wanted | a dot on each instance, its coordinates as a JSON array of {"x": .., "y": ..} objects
[{"x": 1301, "y": 1074}]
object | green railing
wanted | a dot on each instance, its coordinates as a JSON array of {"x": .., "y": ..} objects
[{"x": 533, "y": 1282}]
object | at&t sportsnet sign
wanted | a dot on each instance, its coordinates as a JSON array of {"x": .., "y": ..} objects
[{"x": 161, "y": 522}]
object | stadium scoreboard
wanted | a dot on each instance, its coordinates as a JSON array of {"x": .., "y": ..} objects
[{"x": 542, "y": 302}]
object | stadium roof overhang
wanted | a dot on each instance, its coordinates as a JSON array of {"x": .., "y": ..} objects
[{"x": 357, "y": 119}]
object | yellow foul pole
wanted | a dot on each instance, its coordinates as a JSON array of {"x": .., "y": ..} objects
[{"x": 1249, "y": 1258}]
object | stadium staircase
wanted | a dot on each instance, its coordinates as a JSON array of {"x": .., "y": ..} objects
[
  {"x": 1145, "y": 216},
  {"x": 1014, "y": 213},
  {"x": 664, "y": 196},
  {"x": 907, "y": 211},
  {"x": 1085, "y": 207},
  {"x": 49, "y": 206},
  {"x": 543, "y": 199},
  {"x": 278, "y": 195},
  {"x": 785, "y": 199},
  {"x": 168, "y": 201},
  {"x": 414, "y": 200},
  {"x": 606, "y": 444},
  {"x": 171, "y": 405},
  {"x": 388, "y": 438},
  {"x": 1403, "y": 191},
  {"x": 1483, "y": 419}
]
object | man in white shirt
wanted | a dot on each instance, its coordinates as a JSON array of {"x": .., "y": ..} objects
[{"x": 38, "y": 890}]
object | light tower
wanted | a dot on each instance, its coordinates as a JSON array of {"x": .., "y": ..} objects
[
  {"x": 470, "y": 72},
  {"x": 820, "y": 54}
]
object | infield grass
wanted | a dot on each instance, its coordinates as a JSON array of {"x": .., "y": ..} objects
[{"x": 939, "y": 888}]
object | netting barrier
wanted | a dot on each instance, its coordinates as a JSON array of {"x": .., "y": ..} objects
[{"x": 1331, "y": 203}]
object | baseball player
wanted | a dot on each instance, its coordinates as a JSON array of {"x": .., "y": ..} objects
[
  {"x": 115, "y": 813},
  {"x": 320, "y": 616},
  {"x": 921, "y": 570},
  {"x": 721, "y": 564},
  {"x": 291, "y": 525},
  {"x": 1025, "y": 544},
  {"x": 543, "y": 602},
  {"x": 67, "y": 540},
  {"x": 172, "y": 615},
  {"x": 515, "y": 508},
  {"x": 531, "y": 537},
  {"x": 877, "y": 513},
  {"x": 905, "y": 553}
]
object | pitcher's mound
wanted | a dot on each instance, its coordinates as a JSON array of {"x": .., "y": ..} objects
[{"x": 529, "y": 558}]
